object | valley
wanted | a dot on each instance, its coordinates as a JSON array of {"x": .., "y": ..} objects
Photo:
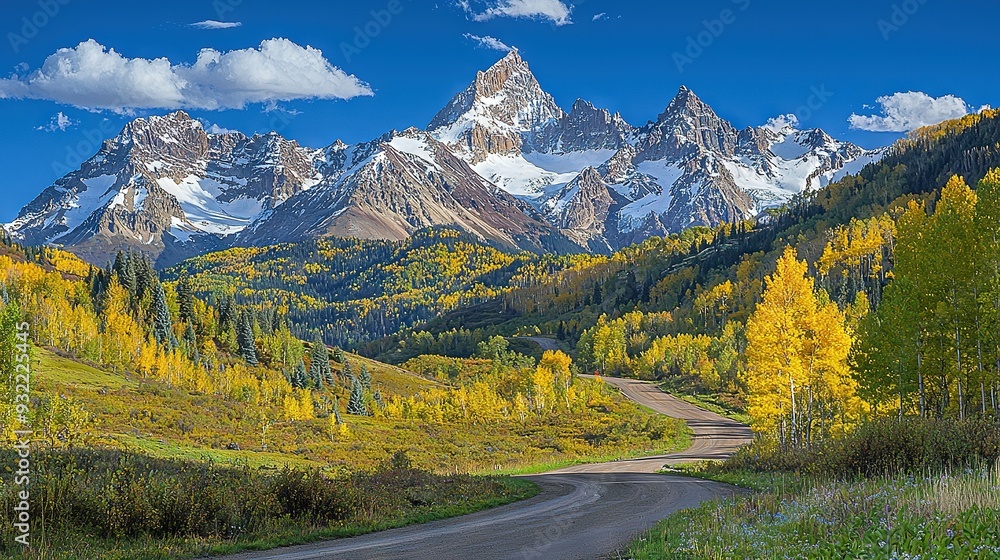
[{"x": 404, "y": 299}]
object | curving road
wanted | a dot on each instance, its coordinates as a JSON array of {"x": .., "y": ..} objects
[{"x": 584, "y": 511}]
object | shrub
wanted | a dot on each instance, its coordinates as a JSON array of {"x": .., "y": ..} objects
[{"x": 883, "y": 446}]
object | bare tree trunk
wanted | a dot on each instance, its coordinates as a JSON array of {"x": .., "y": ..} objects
[
  {"x": 794, "y": 434},
  {"x": 961, "y": 402},
  {"x": 920, "y": 378},
  {"x": 809, "y": 418},
  {"x": 982, "y": 395},
  {"x": 899, "y": 385}
]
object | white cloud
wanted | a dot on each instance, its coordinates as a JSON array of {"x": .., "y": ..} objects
[
  {"x": 59, "y": 121},
  {"x": 489, "y": 42},
  {"x": 93, "y": 77},
  {"x": 600, "y": 16},
  {"x": 212, "y": 24},
  {"x": 782, "y": 121},
  {"x": 903, "y": 112},
  {"x": 553, "y": 10},
  {"x": 213, "y": 128}
]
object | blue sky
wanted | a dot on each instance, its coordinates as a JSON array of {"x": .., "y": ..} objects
[{"x": 757, "y": 59}]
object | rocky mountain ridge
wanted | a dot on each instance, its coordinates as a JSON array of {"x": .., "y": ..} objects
[{"x": 501, "y": 161}]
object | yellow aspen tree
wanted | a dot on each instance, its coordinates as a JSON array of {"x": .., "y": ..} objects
[
  {"x": 776, "y": 338},
  {"x": 291, "y": 407},
  {"x": 797, "y": 368},
  {"x": 122, "y": 335},
  {"x": 542, "y": 390},
  {"x": 832, "y": 392},
  {"x": 307, "y": 409},
  {"x": 147, "y": 358},
  {"x": 557, "y": 364}
]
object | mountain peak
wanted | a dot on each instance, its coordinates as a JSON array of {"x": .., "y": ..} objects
[
  {"x": 511, "y": 68},
  {"x": 512, "y": 57},
  {"x": 499, "y": 106},
  {"x": 174, "y": 119},
  {"x": 686, "y": 103},
  {"x": 581, "y": 105}
]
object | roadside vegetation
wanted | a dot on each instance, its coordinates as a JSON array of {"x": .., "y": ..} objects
[
  {"x": 112, "y": 504},
  {"x": 870, "y": 368},
  {"x": 916, "y": 489}
]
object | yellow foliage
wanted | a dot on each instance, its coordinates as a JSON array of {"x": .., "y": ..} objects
[{"x": 797, "y": 373}]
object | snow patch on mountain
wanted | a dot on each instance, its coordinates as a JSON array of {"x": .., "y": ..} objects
[
  {"x": 199, "y": 199},
  {"x": 96, "y": 195}
]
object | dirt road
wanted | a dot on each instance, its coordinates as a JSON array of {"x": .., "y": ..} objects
[{"x": 585, "y": 511}]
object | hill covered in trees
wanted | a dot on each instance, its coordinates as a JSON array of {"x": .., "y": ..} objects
[{"x": 353, "y": 291}]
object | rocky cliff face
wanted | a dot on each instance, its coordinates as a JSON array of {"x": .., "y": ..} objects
[
  {"x": 493, "y": 115},
  {"x": 583, "y": 129}
]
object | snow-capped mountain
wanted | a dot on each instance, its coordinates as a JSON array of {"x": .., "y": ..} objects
[
  {"x": 397, "y": 184},
  {"x": 502, "y": 161},
  {"x": 607, "y": 184},
  {"x": 167, "y": 187},
  {"x": 515, "y": 135}
]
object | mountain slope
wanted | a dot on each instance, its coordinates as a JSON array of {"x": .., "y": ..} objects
[
  {"x": 689, "y": 167},
  {"x": 166, "y": 187},
  {"x": 400, "y": 183}
]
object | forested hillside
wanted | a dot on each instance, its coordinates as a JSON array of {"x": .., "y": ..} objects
[
  {"x": 352, "y": 291},
  {"x": 677, "y": 308}
]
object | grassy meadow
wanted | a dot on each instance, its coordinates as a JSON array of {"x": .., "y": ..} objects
[
  {"x": 926, "y": 489},
  {"x": 161, "y": 472}
]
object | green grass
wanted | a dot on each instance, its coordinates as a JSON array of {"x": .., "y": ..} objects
[
  {"x": 166, "y": 422},
  {"x": 917, "y": 488},
  {"x": 955, "y": 516},
  {"x": 59, "y": 370},
  {"x": 106, "y": 504},
  {"x": 162, "y": 449},
  {"x": 708, "y": 401},
  {"x": 152, "y": 420}
]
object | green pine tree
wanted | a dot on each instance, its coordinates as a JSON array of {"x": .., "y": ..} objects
[
  {"x": 319, "y": 367},
  {"x": 356, "y": 405},
  {"x": 185, "y": 298},
  {"x": 347, "y": 374},
  {"x": 162, "y": 324},
  {"x": 365, "y": 377},
  {"x": 191, "y": 343},
  {"x": 338, "y": 355},
  {"x": 299, "y": 378},
  {"x": 246, "y": 340}
]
